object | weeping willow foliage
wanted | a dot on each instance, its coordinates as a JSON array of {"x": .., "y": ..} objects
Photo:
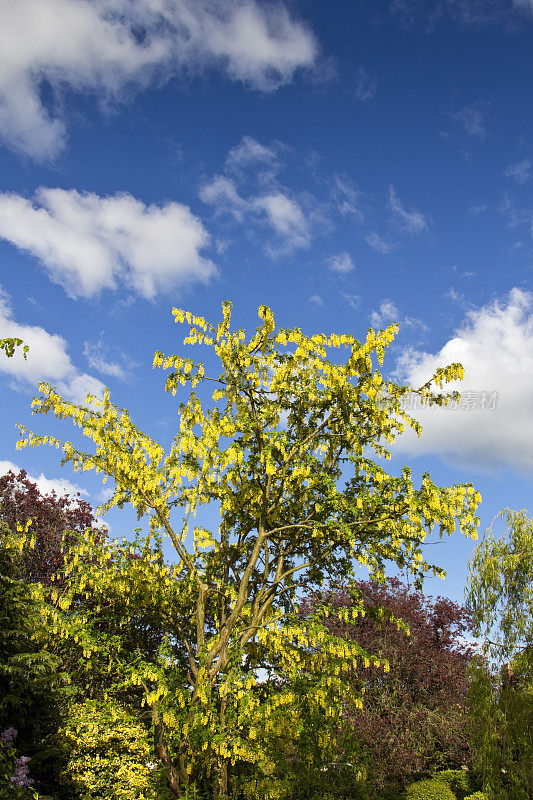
[{"x": 500, "y": 596}]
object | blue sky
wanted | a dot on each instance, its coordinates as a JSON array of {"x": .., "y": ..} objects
[{"x": 349, "y": 165}]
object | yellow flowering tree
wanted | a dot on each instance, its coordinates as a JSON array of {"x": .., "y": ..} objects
[{"x": 288, "y": 453}]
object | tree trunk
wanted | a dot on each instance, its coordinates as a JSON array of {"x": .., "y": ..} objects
[
  {"x": 173, "y": 779},
  {"x": 221, "y": 785},
  {"x": 221, "y": 764}
]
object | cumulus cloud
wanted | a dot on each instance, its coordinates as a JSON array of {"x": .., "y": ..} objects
[
  {"x": 495, "y": 347},
  {"x": 88, "y": 243},
  {"x": 60, "y": 486},
  {"x": 222, "y": 194},
  {"x": 341, "y": 263},
  {"x": 386, "y": 314},
  {"x": 111, "y": 47},
  {"x": 48, "y": 359},
  {"x": 519, "y": 172},
  {"x": 410, "y": 221},
  {"x": 286, "y": 218},
  {"x": 267, "y": 204}
]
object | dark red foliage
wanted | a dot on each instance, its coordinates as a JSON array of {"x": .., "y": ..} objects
[
  {"x": 55, "y": 521},
  {"x": 413, "y": 717}
]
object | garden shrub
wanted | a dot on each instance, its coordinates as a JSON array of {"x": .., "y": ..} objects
[
  {"x": 324, "y": 797},
  {"x": 460, "y": 781},
  {"x": 111, "y": 755},
  {"x": 265, "y": 786},
  {"x": 476, "y": 796},
  {"x": 429, "y": 789}
]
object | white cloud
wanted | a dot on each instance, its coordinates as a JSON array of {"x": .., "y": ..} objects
[
  {"x": 96, "y": 361},
  {"x": 415, "y": 324},
  {"x": 409, "y": 221},
  {"x": 47, "y": 360},
  {"x": 341, "y": 263},
  {"x": 517, "y": 215},
  {"x": 111, "y": 47},
  {"x": 495, "y": 347},
  {"x": 46, "y": 485},
  {"x": 455, "y": 296},
  {"x": 259, "y": 44},
  {"x": 87, "y": 242},
  {"x": 250, "y": 152},
  {"x": 387, "y": 313},
  {"x": 316, "y": 300},
  {"x": 353, "y": 300},
  {"x": 279, "y": 211},
  {"x": 519, "y": 172},
  {"x": 377, "y": 243},
  {"x": 286, "y": 218},
  {"x": 222, "y": 193},
  {"x": 366, "y": 85},
  {"x": 347, "y": 197},
  {"x": 99, "y": 358},
  {"x": 249, "y": 192}
]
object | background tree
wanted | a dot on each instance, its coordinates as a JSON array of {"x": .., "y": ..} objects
[
  {"x": 500, "y": 596},
  {"x": 30, "y": 674},
  {"x": 47, "y": 680},
  {"x": 413, "y": 717},
  {"x": 56, "y": 523},
  {"x": 291, "y": 426},
  {"x": 29, "y": 677}
]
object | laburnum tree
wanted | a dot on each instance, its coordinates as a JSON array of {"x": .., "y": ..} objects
[
  {"x": 284, "y": 455},
  {"x": 9, "y": 345},
  {"x": 414, "y": 717},
  {"x": 500, "y": 596}
]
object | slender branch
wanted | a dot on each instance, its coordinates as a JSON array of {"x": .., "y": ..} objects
[{"x": 182, "y": 552}]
